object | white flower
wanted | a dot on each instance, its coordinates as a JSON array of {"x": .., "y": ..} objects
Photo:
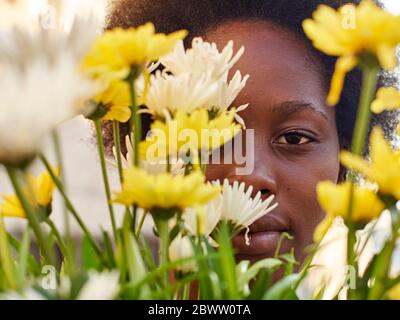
[
  {"x": 234, "y": 205},
  {"x": 153, "y": 167},
  {"x": 225, "y": 95},
  {"x": 36, "y": 101},
  {"x": 202, "y": 57},
  {"x": 183, "y": 92},
  {"x": 100, "y": 286},
  {"x": 40, "y": 86},
  {"x": 239, "y": 208},
  {"x": 203, "y": 220},
  {"x": 181, "y": 248},
  {"x": 27, "y": 294},
  {"x": 23, "y": 47},
  {"x": 197, "y": 78}
]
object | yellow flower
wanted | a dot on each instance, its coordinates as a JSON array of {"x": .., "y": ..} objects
[
  {"x": 386, "y": 98},
  {"x": 394, "y": 293},
  {"x": 39, "y": 193},
  {"x": 11, "y": 207},
  {"x": 351, "y": 32},
  {"x": 334, "y": 199},
  {"x": 117, "y": 51},
  {"x": 185, "y": 132},
  {"x": 164, "y": 191},
  {"x": 384, "y": 168},
  {"x": 115, "y": 102}
]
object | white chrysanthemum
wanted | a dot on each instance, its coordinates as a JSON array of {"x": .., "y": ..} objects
[
  {"x": 153, "y": 167},
  {"x": 239, "y": 208},
  {"x": 183, "y": 92},
  {"x": 180, "y": 248},
  {"x": 27, "y": 294},
  {"x": 202, "y": 57},
  {"x": 40, "y": 86},
  {"x": 22, "y": 47},
  {"x": 225, "y": 95},
  {"x": 234, "y": 205},
  {"x": 34, "y": 102},
  {"x": 203, "y": 220},
  {"x": 197, "y": 78},
  {"x": 100, "y": 286}
]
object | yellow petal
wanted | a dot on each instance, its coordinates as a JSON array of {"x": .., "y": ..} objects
[
  {"x": 387, "y": 56},
  {"x": 357, "y": 163},
  {"x": 394, "y": 293},
  {"x": 116, "y": 51},
  {"x": 119, "y": 113},
  {"x": 387, "y": 98},
  {"x": 335, "y": 200},
  {"x": 322, "y": 228},
  {"x": 164, "y": 190},
  {"x": 11, "y": 207},
  {"x": 343, "y": 66}
]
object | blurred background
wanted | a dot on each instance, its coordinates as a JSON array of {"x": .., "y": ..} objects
[{"x": 83, "y": 172}]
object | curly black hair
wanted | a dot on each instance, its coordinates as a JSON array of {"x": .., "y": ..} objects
[{"x": 201, "y": 16}]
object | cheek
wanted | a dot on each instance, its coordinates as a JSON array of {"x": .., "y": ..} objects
[{"x": 298, "y": 181}]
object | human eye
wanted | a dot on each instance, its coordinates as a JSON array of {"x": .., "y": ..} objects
[{"x": 294, "y": 138}]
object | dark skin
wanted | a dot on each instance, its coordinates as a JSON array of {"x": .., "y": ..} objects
[{"x": 296, "y": 143}]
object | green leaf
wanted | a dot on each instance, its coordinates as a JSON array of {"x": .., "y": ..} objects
[
  {"x": 246, "y": 274},
  {"x": 89, "y": 256},
  {"x": 228, "y": 263},
  {"x": 283, "y": 289},
  {"x": 261, "y": 284},
  {"x": 147, "y": 254},
  {"x": 34, "y": 267},
  {"x": 205, "y": 284},
  {"x": 108, "y": 250},
  {"x": 135, "y": 264},
  {"x": 6, "y": 259},
  {"x": 23, "y": 258}
]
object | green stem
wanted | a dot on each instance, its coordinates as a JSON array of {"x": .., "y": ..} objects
[
  {"x": 60, "y": 163},
  {"x": 6, "y": 260},
  {"x": 69, "y": 204},
  {"x": 141, "y": 222},
  {"x": 162, "y": 226},
  {"x": 136, "y": 128},
  {"x": 57, "y": 234},
  {"x": 31, "y": 216},
  {"x": 100, "y": 144},
  {"x": 136, "y": 124},
  {"x": 117, "y": 144},
  {"x": 370, "y": 78},
  {"x": 70, "y": 252}
]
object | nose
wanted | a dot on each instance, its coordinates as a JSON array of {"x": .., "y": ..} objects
[{"x": 261, "y": 182}]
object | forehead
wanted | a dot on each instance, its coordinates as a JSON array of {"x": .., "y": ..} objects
[{"x": 280, "y": 65}]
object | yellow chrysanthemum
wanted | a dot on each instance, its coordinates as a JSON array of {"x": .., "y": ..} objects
[
  {"x": 386, "y": 99},
  {"x": 164, "y": 191},
  {"x": 115, "y": 102},
  {"x": 11, "y": 207},
  {"x": 185, "y": 132},
  {"x": 117, "y": 51},
  {"x": 334, "y": 199},
  {"x": 384, "y": 168},
  {"x": 394, "y": 293},
  {"x": 349, "y": 33},
  {"x": 39, "y": 192}
]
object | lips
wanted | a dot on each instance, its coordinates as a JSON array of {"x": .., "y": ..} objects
[
  {"x": 264, "y": 237},
  {"x": 270, "y": 222}
]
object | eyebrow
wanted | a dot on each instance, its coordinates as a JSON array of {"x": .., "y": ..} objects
[{"x": 288, "y": 108}]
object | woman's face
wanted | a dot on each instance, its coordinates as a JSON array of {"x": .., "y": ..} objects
[{"x": 295, "y": 137}]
